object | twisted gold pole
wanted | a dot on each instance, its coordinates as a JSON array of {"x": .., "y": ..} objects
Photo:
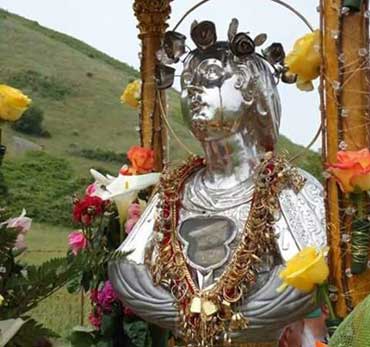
[
  {"x": 345, "y": 88},
  {"x": 152, "y": 18}
]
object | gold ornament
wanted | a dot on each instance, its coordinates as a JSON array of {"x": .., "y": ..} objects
[
  {"x": 208, "y": 314},
  {"x": 238, "y": 322}
]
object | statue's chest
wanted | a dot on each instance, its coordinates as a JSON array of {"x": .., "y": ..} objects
[
  {"x": 210, "y": 238},
  {"x": 207, "y": 241}
]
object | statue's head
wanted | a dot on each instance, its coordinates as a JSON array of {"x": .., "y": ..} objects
[{"x": 227, "y": 87}]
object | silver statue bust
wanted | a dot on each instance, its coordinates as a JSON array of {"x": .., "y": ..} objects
[{"x": 231, "y": 105}]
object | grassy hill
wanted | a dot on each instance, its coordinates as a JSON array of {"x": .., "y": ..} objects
[
  {"x": 78, "y": 88},
  {"x": 80, "y": 100}
]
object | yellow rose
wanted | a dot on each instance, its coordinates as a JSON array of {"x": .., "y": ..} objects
[
  {"x": 1, "y": 299},
  {"x": 304, "y": 60},
  {"x": 132, "y": 94},
  {"x": 12, "y": 103},
  {"x": 305, "y": 270}
]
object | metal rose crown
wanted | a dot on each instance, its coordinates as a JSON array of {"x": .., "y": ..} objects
[{"x": 204, "y": 35}]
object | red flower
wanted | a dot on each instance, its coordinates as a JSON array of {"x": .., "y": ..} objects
[
  {"x": 94, "y": 295},
  {"x": 142, "y": 159},
  {"x": 95, "y": 318},
  {"x": 87, "y": 209},
  {"x": 128, "y": 312}
]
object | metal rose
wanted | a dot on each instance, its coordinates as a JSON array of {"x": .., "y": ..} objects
[
  {"x": 204, "y": 35},
  {"x": 165, "y": 76},
  {"x": 288, "y": 77},
  {"x": 242, "y": 45},
  {"x": 174, "y": 45},
  {"x": 274, "y": 54}
]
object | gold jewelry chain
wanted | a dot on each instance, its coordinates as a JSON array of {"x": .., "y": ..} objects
[{"x": 207, "y": 315}]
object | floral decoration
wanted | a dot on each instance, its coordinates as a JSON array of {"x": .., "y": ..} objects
[
  {"x": 142, "y": 159},
  {"x": 22, "y": 224},
  {"x": 305, "y": 270},
  {"x": 102, "y": 301},
  {"x": 87, "y": 209},
  {"x": 77, "y": 241},
  {"x": 133, "y": 215},
  {"x": 132, "y": 94},
  {"x": 104, "y": 225},
  {"x": 352, "y": 173},
  {"x": 305, "y": 59},
  {"x": 242, "y": 45},
  {"x": 24, "y": 286},
  {"x": 13, "y": 103},
  {"x": 124, "y": 189},
  {"x": 352, "y": 170},
  {"x": 204, "y": 34}
]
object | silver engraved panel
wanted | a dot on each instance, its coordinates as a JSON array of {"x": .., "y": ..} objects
[{"x": 206, "y": 241}]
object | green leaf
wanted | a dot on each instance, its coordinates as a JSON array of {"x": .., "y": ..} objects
[
  {"x": 138, "y": 332},
  {"x": 30, "y": 332},
  {"x": 82, "y": 339},
  {"x": 7, "y": 240},
  {"x": 17, "y": 252},
  {"x": 159, "y": 336},
  {"x": 34, "y": 284},
  {"x": 104, "y": 343},
  {"x": 84, "y": 329},
  {"x": 86, "y": 280},
  {"x": 107, "y": 328},
  {"x": 74, "y": 286}
]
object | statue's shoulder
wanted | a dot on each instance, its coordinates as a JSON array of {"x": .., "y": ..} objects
[
  {"x": 303, "y": 215},
  {"x": 312, "y": 188}
]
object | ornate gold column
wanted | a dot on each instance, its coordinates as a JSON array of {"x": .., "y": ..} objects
[
  {"x": 152, "y": 16},
  {"x": 346, "y": 106}
]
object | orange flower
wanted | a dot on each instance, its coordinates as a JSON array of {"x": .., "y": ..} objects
[
  {"x": 142, "y": 159},
  {"x": 352, "y": 170}
]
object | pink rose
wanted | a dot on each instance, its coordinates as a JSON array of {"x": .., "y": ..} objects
[
  {"x": 77, "y": 241},
  {"x": 91, "y": 189},
  {"x": 20, "y": 243},
  {"x": 134, "y": 210},
  {"x": 130, "y": 223},
  {"x": 107, "y": 296},
  {"x": 21, "y": 223}
]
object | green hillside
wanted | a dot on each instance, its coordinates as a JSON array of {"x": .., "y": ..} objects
[
  {"x": 89, "y": 115},
  {"x": 78, "y": 88}
]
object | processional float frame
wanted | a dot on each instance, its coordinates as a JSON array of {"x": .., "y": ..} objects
[{"x": 344, "y": 86}]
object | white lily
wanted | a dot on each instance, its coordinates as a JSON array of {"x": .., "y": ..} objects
[
  {"x": 123, "y": 190},
  {"x": 101, "y": 182}
]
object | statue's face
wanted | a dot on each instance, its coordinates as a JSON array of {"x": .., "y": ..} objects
[
  {"x": 212, "y": 99},
  {"x": 222, "y": 96}
]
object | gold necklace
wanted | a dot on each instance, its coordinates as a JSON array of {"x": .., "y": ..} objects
[{"x": 207, "y": 315}]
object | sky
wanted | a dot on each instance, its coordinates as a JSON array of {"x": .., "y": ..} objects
[{"x": 110, "y": 26}]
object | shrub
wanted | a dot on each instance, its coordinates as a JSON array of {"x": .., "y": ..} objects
[
  {"x": 31, "y": 123},
  {"x": 99, "y": 154},
  {"x": 44, "y": 86},
  {"x": 43, "y": 185}
]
